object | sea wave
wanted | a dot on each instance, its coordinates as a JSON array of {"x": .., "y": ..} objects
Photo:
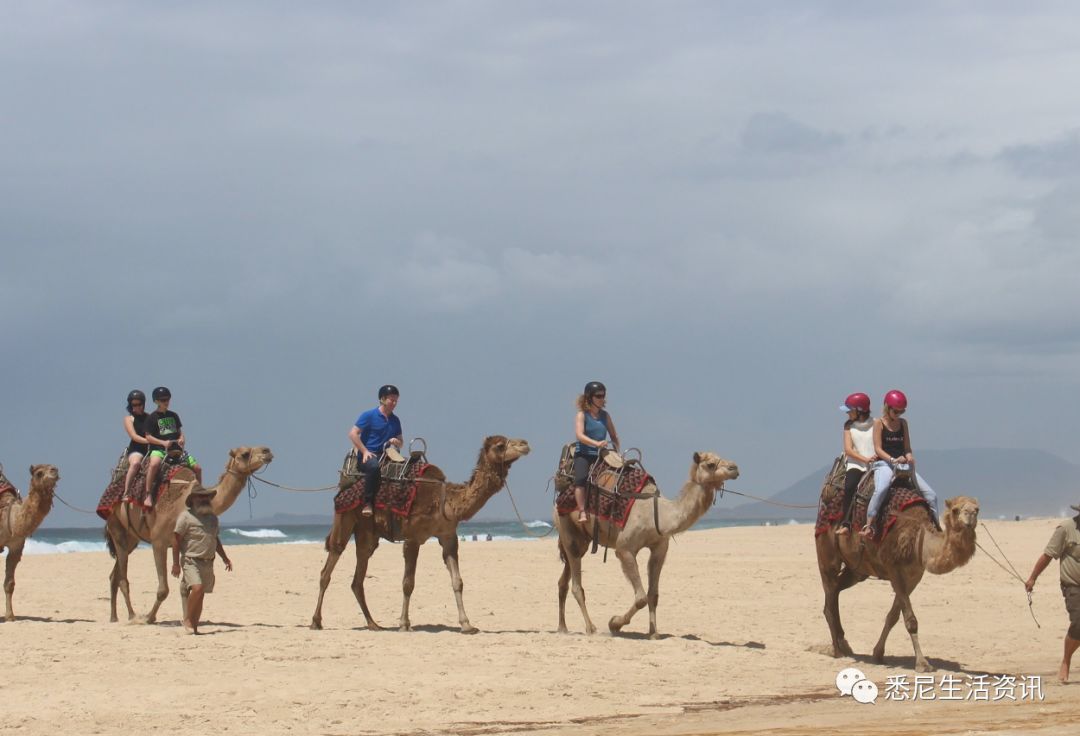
[
  {"x": 259, "y": 533},
  {"x": 537, "y": 524},
  {"x": 34, "y": 547}
]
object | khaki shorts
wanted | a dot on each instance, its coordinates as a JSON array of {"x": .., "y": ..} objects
[{"x": 197, "y": 572}]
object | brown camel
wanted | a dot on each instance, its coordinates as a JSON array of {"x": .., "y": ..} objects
[
  {"x": 707, "y": 474},
  {"x": 20, "y": 517},
  {"x": 436, "y": 512},
  {"x": 130, "y": 523},
  {"x": 911, "y": 547}
]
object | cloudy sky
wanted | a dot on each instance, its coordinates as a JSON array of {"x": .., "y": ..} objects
[{"x": 733, "y": 213}]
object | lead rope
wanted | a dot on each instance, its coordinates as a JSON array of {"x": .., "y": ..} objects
[
  {"x": 1012, "y": 571},
  {"x": 528, "y": 531}
]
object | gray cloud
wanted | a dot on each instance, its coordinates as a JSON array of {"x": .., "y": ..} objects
[{"x": 732, "y": 214}]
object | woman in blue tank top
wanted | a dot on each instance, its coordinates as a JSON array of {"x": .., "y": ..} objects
[{"x": 592, "y": 425}]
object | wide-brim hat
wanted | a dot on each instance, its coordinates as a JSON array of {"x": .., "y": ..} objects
[
  {"x": 199, "y": 491},
  {"x": 1075, "y": 508}
]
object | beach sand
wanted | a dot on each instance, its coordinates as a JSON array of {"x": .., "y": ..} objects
[{"x": 740, "y": 618}]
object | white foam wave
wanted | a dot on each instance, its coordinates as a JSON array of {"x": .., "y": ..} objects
[
  {"x": 259, "y": 533},
  {"x": 537, "y": 524},
  {"x": 34, "y": 547}
]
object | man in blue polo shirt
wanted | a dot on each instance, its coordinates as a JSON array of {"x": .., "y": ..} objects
[{"x": 373, "y": 431}]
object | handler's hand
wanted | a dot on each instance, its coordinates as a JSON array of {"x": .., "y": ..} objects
[
  {"x": 176, "y": 570},
  {"x": 228, "y": 565}
]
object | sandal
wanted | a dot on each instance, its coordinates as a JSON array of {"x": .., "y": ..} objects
[{"x": 844, "y": 529}]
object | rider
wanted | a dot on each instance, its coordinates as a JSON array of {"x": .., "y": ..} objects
[
  {"x": 892, "y": 445},
  {"x": 592, "y": 425},
  {"x": 858, "y": 449},
  {"x": 163, "y": 428},
  {"x": 135, "y": 426},
  {"x": 374, "y": 430}
]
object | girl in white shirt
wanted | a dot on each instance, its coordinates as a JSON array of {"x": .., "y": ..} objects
[{"x": 858, "y": 450}]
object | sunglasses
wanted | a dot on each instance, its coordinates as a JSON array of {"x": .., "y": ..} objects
[
  {"x": 897, "y": 412},
  {"x": 599, "y": 396},
  {"x": 135, "y": 404}
]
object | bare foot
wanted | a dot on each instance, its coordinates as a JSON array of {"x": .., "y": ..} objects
[
  {"x": 582, "y": 517},
  {"x": 842, "y": 531},
  {"x": 188, "y": 628}
]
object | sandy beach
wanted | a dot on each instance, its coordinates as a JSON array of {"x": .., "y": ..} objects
[{"x": 740, "y": 614}]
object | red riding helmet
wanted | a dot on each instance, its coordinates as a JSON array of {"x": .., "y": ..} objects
[
  {"x": 858, "y": 401},
  {"x": 896, "y": 399}
]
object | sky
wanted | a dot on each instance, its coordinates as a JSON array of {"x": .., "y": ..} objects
[{"x": 732, "y": 213}]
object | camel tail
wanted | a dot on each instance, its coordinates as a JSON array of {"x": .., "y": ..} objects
[{"x": 110, "y": 544}]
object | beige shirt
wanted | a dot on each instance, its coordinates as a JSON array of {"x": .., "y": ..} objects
[
  {"x": 862, "y": 440},
  {"x": 1064, "y": 546},
  {"x": 198, "y": 534}
]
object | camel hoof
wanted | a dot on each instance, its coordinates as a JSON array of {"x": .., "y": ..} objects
[
  {"x": 372, "y": 626},
  {"x": 654, "y": 636},
  {"x": 469, "y": 629},
  {"x": 562, "y": 630},
  {"x": 406, "y": 626},
  {"x": 316, "y": 625},
  {"x": 615, "y": 625},
  {"x": 9, "y": 619},
  {"x": 924, "y": 667},
  {"x": 590, "y": 629}
]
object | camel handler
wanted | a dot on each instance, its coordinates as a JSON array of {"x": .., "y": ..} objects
[
  {"x": 1064, "y": 546},
  {"x": 374, "y": 430},
  {"x": 196, "y": 537}
]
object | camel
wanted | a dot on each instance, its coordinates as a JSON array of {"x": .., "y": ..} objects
[
  {"x": 20, "y": 517},
  {"x": 130, "y": 523},
  {"x": 911, "y": 547},
  {"x": 437, "y": 510},
  {"x": 707, "y": 474}
]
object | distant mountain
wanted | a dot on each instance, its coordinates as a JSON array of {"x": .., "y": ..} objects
[{"x": 1006, "y": 483}]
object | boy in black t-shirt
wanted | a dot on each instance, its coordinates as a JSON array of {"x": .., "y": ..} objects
[{"x": 163, "y": 428}]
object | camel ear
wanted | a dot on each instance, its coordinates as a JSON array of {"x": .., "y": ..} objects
[
  {"x": 948, "y": 503},
  {"x": 232, "y": 452},
  {"x": 697, "y": 458}
]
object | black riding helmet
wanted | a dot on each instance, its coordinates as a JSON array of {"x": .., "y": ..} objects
[
  {"x": 388, "y": 390},
  {"x": 135, "y": 395},
  {"x": 161, "y": 393},
  {"x": 594, "y": 387}
]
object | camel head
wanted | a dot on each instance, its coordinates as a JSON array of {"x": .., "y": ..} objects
[
  {"x": 499, "y": 450},
  {"x": 44, "y": 477},
  {"x": 246, "y": 460},
  {"x": 710, "y": 470},
  {"x": 961, "y": 512}
]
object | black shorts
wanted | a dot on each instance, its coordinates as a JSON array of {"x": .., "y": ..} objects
[
  {"x": 582, "y": 463},
  {"x": 1072, "y": 605},
  {"x": 141, "y": 449}
]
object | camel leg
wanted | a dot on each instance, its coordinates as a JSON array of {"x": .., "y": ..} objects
[
  {"x": 834, "y": 585},
  {"x": 118, "y": 578},
  {"x": 160, "y": 554},
  {"x": 573, "y": 559},
  {"x": 449, "y": 544},
  {"x": 903, "y": 601},
  {"x": 332, "y": 558},
  {"x": 410, "y": 550},
  {"x": 564, "y": 588},
  {"x": 364, "y": 550},
  {"x": 13, "y": 556},
  {"x": 890, "y": 621},
  {"x": 657, "y": 555},
  {"x": 628, "y": 560}
]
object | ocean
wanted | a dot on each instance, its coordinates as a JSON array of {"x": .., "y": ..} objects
[{"x": 90, "y": 539}]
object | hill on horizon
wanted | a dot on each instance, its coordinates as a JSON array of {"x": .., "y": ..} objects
[{"x": 1006, "y": 482}]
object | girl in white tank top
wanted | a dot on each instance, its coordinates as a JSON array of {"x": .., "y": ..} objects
[{"x": 858, "y": 454}]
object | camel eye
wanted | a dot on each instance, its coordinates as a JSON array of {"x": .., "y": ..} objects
[
  {"x": 245, "y": 454},
  {"x": 710, "y": 466}
]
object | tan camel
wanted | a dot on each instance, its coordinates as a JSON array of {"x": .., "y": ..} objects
[
  {"x": 912, "y": 547},
  {"x": 130, "y": 523},
  {"x": 437, "y": 510},
  {"x": 20, "y": 517},
  {"x": 707, "y": 474}
]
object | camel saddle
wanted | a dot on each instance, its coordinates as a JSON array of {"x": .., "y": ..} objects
[
  {"x": 114, "y": 493},
  {"x": 9, "y": 494},
  {"x": 611, "y": 487},
  {"x": 901, "y": 495},
  {"x": 397, "y": 489}
]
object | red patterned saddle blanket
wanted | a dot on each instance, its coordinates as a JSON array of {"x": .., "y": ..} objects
[
  {"x": 395, "y": 495},
  {"x": 114, "y": 493},
  {"x": 607, "y": 490},
  {"x": 831, "y": 507}
]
